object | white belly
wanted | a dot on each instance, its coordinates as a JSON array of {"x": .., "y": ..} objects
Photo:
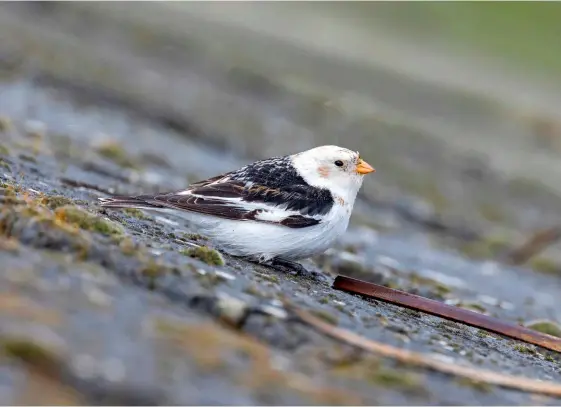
[{"x": 263, "y": 241}]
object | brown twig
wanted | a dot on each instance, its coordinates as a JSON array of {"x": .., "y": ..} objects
[
  {"x": 450, "y": 312},
  {"x": 535, "y": 245},
  {"x": 418, "y": 359}
]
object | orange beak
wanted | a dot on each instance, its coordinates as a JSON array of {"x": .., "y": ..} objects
[{"x": 363, "y": 167}]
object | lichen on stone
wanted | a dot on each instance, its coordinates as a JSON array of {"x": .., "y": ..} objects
[
  {"x": 205, "y": 254},
  {"x": 116, "y": 153},
  {"x": 87, "y": 221}
]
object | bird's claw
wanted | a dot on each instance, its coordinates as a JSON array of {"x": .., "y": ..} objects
[{"x": 296, "y": 269}]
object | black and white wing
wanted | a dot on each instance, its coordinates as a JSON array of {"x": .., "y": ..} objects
[{"x": 266, "y": 191}]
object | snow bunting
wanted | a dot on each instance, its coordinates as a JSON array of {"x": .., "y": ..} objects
[{"x": 278, "y": 209}]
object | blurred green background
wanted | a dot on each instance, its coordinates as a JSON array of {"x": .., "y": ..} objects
[{"x": 526, "y": 34}]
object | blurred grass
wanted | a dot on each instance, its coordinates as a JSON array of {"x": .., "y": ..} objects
[{"x": 526, "y": 34}]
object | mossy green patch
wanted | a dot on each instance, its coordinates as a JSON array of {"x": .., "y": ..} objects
[
  {"x": 476, "y": 384},
  {"x": 117, "y": 154},
  {"x": 525, "y": 349},
  {"x": 440, "y": 288},
  {"x": 55, "y": 202},
  {"x": 210, "y": 280},
  {"x": 549, "y": 358},
  {"x": 5, "y": 124},
  {"x": 4, "y": 150},
  {"x": 394, "y": 378},
  {"x": 128, "y": 247},
  {"x": 28, "y": 352},
  {"x": 252, "y": 290},
  {"x": 482, "y": 334},
  {"x": 151, "y": 268},
  {"x": 135, "y": 213},
  {"x": 87, "y": 221},
  {"x": 5, "y": 165},
  {"x": 194, "y": 237},
  {"x": 546, "y": 327},
  {"x": 544, "y": 265},
  {"x": 492, "y": 213},
  {"x": 372, "y": 369},
  {"x": 8, "y": 187},
  {"x": 488, "y": 247},
  {"x": 472, "y": 306},
  {"x": 205, "y": 254},
  {"x": 271, "y": 278},
  {"x": 28, "y": 158},
  {"x": 326, "y": 316},
  {"x": 13, "y": 217}
]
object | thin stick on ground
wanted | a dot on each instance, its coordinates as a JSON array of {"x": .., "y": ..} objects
[
  {"x": 534, "y": 246},
  {"x": 420, "y": 360}
]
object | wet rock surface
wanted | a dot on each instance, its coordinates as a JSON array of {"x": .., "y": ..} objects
[{"x": 124, "y": 307}]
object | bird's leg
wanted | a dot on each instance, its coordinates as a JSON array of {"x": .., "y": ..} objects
[
  {"x": 298, "y": 269},
  {"x": 287, "y": 265}
]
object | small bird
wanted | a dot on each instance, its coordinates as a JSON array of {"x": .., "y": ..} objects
[{"x": 275, "y": 210}]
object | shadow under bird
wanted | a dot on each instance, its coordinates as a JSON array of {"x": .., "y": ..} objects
[{"x": 275, "y": 210}]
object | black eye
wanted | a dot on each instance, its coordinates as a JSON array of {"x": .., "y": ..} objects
[{"x": 339, "y": 163}]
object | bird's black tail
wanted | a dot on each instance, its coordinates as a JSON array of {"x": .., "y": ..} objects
[{"x": 127, "y": 202}]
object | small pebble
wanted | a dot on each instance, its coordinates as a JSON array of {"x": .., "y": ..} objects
[
  {"x": 388, "y": 261},
  {"x": 224, "y": 275},
  {"x": 443, "y": 358},
  {"x": 166, "y": 221},
  {"x": 113, "y": 370},
  {"x": 97, "y": 297},
  {"x": 489, "y": 268},
  {"x": 5, "y": 123},
  {"x": 231, "y": 309},
  {"x": 487, "y": 299},
  {"x": 35, "y": 128},
  {"x": 85, "y": 366}
]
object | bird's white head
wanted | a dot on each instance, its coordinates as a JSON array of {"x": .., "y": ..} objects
[{"x": 338, "y": 169}]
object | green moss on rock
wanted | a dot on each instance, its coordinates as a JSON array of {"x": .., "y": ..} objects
[
  {"x": 546, "y": 327},
  {"x": 326, "y": 316},
  {"x": 394, "y": 378},
  {"x": 525, "y": 349},
  {"x": 544, "y": 265},
  {"x": 5, "y": 124},
  {"x": 205, "y": 254},
  {"x": 475, "y": 384},
  {"x": 135, "y": 213},
  {"x": 116, "y": 153},
  {"x": 194, "y": 237},
  {"x": 87, "y": 221},
  {"x": 5, "y": 165},
  {"x": 28, "y": 352},
  {"x": 55, "y": 201},
  {"x": 487, "y": 247}
]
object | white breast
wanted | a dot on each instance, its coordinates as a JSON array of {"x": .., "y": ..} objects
[{"x": 263, "y": 241}]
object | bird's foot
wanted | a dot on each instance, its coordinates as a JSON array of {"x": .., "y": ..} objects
[
  {"x": 288, "y": 266},
  {"x": 296, "y": 269}
]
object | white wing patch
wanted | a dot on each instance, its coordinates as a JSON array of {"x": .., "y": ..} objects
[{"x": 274, "y": 215}]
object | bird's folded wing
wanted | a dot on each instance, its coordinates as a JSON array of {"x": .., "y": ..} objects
[{"x": 295, "y": 206}]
